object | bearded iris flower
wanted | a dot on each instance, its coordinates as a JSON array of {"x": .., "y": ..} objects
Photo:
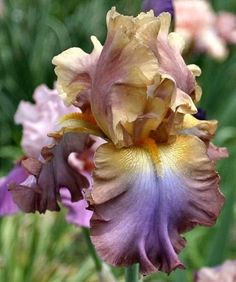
[{"x": 154, "y": 178}]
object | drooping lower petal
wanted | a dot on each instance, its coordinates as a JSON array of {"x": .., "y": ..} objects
[
  {"x": 42, "y": 193},
  {"x": 144, "y": 197},
  {"x": 7, "y": 205}
]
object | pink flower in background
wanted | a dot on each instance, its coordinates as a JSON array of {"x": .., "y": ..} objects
[
  {"x": 222, "y": 273},
  {"x": 197, "y": 23},
  {"x": 39, "y": 119},
  {"x": 226, "y": 26}
]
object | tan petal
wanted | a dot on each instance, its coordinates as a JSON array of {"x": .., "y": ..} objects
[{"x": 74, "y": 69}]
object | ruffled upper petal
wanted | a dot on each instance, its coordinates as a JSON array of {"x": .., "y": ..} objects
[
  {"x": 127, "y": 66},
  {"x": 74, "y": 69},
  {"x": 41, "y": 193},
  {"x": 144, "y": 197},
  {"x": 138, "y": 61}
]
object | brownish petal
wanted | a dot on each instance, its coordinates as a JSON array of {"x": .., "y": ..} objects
[{"x": 42, "y": 192}]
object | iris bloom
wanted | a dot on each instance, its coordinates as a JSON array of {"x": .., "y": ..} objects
[{"x": 154, "y": 178}]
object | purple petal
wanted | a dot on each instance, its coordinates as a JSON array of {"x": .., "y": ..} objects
[
  {"x": 77, "y": 212},
  {"x": 145, "y": 197},
  {"x": 159, "y": 6},
  {"x": 7, "y": 205}
]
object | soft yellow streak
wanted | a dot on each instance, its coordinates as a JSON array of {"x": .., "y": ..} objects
[
  {"x": 79, "y": 122},
  {"x": 150, "y": 145},
  {"x": 78, "y": 116}
]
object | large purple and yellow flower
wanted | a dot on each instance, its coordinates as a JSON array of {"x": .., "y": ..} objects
[{"x": 155, "y": 177}]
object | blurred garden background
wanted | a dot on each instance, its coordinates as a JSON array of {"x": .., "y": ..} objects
[{"x": 46, "y": 248}]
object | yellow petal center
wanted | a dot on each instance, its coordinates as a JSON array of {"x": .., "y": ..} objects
[{"x": 150, "y": 145}]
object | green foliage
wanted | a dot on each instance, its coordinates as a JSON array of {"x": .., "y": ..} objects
[{"x": 45, "y": 248}]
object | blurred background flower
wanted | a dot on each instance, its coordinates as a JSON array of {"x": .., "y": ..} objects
[
  {"x": 225, "y": 272},
  {"x": 31, "y": 33}
]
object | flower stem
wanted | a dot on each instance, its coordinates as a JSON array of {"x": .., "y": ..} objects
[
  {"x": 132, "y": 273},
  {"x": 92, "y": 251}
]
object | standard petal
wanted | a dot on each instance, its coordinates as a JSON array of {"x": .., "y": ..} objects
[
  {"x": 124, "y": 70},
  {"x": 42, "y": 193},
  {"x": 7, "y": 205},
  {"x": 74, "y": 69},
  {"x": 144, "y": 197}
]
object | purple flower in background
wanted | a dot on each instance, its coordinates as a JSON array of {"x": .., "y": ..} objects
[
  {"x": 7, "y": 205},
  {"x": 159, "y": 6}
]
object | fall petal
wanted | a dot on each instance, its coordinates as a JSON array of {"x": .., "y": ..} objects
[
  {"x": 43, "y": 192},
  {"x": 145, "y": 197}
]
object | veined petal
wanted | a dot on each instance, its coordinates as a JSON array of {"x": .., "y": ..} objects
[
  {"x": 41, "y": 193},
  {"x": 144, "y": 197},
  {"x": 74, "y": 69}
]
